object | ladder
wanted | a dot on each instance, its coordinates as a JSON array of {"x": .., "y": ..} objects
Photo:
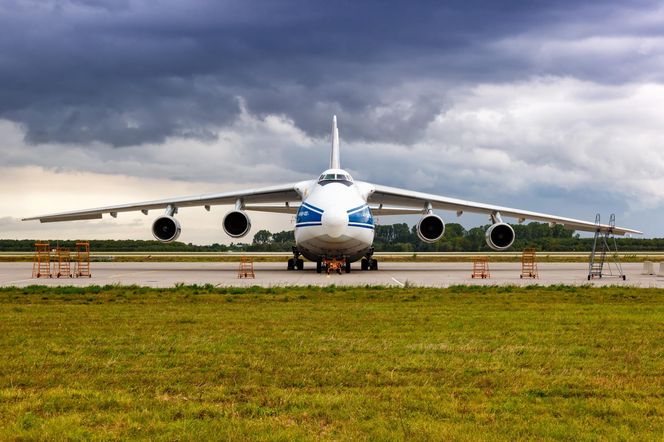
[
  {"x": 481, "y": 267},
  {"x": 41, "y": 265},
  {"x": 82, "y": 260},
  {"x": 64, "y": 265},
  {"x": 602, "y": 247},
  {"x": 246, "y": 269},
  {"x": 529, "y": 264}
]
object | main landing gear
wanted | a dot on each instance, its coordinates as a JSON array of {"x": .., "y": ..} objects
[
  {"x": 296, "y": 262},
  {"x": 368, "y": 262},
  {"x": 331, "y": 265}
]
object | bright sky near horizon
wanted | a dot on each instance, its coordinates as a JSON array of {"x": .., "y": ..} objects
[{"x": 546, "y": 106}]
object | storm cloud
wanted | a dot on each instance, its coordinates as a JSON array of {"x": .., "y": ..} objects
[{"x": 132, "y": 72}]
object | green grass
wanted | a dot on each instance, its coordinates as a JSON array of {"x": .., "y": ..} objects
[{"x": 200, "y": 363}]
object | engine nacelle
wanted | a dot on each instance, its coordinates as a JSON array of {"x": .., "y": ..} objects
[
  {"x": 430, "y": 228},
  {"x": 500, "y": 236},
  {"x": 236, "y": 224},
  {"x": 166, "y": 228}
]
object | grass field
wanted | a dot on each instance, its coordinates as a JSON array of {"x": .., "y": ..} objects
[{"x": 202, "y": 363}]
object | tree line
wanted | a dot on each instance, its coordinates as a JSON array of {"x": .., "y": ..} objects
[{"x": 388, "y": 238}]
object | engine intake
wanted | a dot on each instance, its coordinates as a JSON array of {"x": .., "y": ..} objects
[
  {"x": 166, "y": 228},
  {"x": 430, "y": 228},
  {"x": 500, "y": 236},
  {"x": 236, "y": 224}
]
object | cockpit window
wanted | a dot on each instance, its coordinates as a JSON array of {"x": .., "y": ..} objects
[{"x": 335, "y": 177}]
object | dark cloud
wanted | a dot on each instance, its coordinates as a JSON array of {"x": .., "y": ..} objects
[{"x": 127, "y": 73}]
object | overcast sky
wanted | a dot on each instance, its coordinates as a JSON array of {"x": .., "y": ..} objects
[{"x": 546, "y": 106}]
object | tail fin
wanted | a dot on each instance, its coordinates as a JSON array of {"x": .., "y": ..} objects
[{"x": 334, "y": 158}]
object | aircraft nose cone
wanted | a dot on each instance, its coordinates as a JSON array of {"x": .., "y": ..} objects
[{"x": 334, "y": 222}]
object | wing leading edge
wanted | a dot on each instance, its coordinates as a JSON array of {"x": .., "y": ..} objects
[
  {"x": 401, "y": 197},
  {"x": 283, "y": 194}
]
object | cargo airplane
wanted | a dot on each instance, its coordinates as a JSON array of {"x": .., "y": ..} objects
[{"x": 334, "y": 215}]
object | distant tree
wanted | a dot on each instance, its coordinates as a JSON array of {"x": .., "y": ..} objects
[
  {"x": 262, "y": 238},
  {"x": 286, "y": 237},
  {"x": 454, "y": 230}
]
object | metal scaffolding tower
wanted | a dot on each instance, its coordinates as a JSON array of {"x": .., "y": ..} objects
[
  {"x": 529, "y": 264},
  {"x": 41, "y": 266},
  {"x": 481, "y": 267},
  {"x": 246, "y": 269},
  {"x": 82, "y": 268},
  {"x": 600, "y": 251},
  {"x": 63, "y": 263}
]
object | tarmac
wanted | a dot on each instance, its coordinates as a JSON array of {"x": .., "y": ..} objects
[{"x": 270, "y": 274}]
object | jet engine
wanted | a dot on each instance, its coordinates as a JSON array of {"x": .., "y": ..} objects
[
  {"x": 166, "y": 228},
  {"x": 236, "y": 224},
  {"x": 500, "y": 236},
  {"x": 430, "y": 228}
]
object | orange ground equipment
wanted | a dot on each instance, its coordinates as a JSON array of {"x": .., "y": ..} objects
[
  {"x": 41, "y": 266},
  {"x": 529, "y": 264},
  {"x": 82, "y": 269},
  {"x": 246, "y": 269},
  {"x": 334, "y": 265},
  {"x": 63, "y": 263},
  {"x": 481, "y": 267}
]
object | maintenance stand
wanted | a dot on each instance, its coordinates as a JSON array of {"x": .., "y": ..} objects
[
  {"x": 481, "y": 267},
  {"x": 529, "y": 264},
  {"x": 82, "y": 268},
  {"x": 599, "y": 252},
  {"x": 246, "y": 269},
  {"x": 41, "y": 266}
]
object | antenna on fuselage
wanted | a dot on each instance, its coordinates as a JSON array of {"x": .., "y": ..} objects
[{"x": 334, "y": 157}]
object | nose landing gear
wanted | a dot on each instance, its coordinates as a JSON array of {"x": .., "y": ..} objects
[
  {"x": 368, "y": 262},
  {"x": 295, "y": 262}
]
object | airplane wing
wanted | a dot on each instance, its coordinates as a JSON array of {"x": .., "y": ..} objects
[
  {"x": 401, "y": 197},
  {"x": 283, "y": 194}
]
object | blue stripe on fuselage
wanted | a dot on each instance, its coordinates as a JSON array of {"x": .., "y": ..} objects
[
  {"x": 312, "y": 207},
  {"x": 308, "y": 214},
  {"x": 364, "y": 226},
  {"x": 308, "y": 224},
  {"x": 360, "y": 215},
  {"x": 356, "y": 208}
]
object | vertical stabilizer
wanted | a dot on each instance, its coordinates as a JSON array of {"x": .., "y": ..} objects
[{"x": 334, "y": 157}]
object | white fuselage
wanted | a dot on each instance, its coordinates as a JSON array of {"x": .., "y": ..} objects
[{"x": 334, "y": 221}]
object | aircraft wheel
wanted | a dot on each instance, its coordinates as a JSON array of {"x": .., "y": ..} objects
[
  {"x": 347, "y": 267},
  {"x": 374, "y": 264},
  {"x": 300, "y": 264},
  {"x": 319, "y": 266},
  {"x": 364, "y": 264},
  {"x": 291, "y": 264}
]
